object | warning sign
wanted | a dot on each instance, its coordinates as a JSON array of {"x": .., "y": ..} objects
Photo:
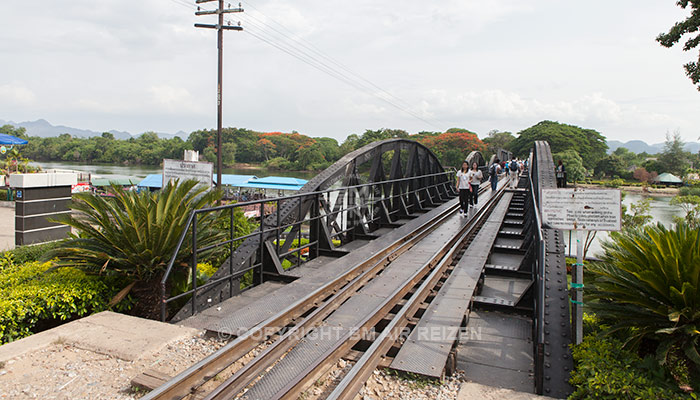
[
  {"x": 177, "y": 169},
  {"x": 582, "y": 209}
]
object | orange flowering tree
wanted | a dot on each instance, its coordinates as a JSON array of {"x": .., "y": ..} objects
[{"x": 453, "y": 147}]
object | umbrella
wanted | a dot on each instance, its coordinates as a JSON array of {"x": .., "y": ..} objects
[{"x": 11, "y": 140}]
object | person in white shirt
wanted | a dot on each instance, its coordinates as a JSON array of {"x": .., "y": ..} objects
[
  {"x": 463, "y": 188},
  {"x": 474, "y": 176},
  {"x": 513, "y": 171}
]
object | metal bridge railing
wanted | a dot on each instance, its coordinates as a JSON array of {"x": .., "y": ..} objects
[
  {"x": 539, "y": 272},
  {"x": 366, "y": 204}
]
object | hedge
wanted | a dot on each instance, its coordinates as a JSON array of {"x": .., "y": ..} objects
[
  {"x": 604, "y": 370},
  {"x": 32, "y": 296}
]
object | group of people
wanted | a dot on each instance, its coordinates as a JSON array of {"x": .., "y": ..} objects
[{"x": 469, "y": 179}]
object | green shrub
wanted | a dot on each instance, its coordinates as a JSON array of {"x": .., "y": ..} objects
[
  {"x": 604, "y": 370},
  {"x": 648, "y": 285},
  {"x": 689, "y": 191},
  {"x": 32, "y": 296},
  {"x": 29, "y": 253},
  {"x": 614, "y": 183}
]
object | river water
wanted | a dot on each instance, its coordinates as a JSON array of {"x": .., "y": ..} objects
[
  {"x": 110, "y": 171},
  {"x": 661, "y": 211}
]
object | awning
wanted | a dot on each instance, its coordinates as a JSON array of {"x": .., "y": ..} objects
[
  {"x": 152, "y": 181},
  {"x": 11, "y": 140}
]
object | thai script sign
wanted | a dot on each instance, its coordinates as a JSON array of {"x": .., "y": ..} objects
[{"x": 582, "y": 209}]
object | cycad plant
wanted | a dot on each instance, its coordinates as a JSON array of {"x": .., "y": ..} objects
[
  {"x": 134, "y": 235},
  {"x": 648, "y": 287}
]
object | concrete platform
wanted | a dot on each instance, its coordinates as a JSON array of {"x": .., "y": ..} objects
[
  {"x": 122, "y": 336},
  {"x": 473, "y": 390}
]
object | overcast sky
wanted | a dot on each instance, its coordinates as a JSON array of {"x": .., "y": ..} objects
[{"x": 482, "y": 65}]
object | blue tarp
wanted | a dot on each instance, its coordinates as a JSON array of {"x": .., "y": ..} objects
[
  {"x": 275, "y": 183},
  {"x": 152, "y": 181},
  {"x": 11, "y": 140},
  {"x": 156, "y": 181},
  {"x": 235, "y": 180}
]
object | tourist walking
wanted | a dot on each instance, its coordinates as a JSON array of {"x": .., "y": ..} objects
[
  {"x": 494, "y": 170},
  {"x": 474, "y": 176},
  {"x": 561, "y": 175},
  {"x": 513, "y": 171},
  {"x": 463, "y": 187}
]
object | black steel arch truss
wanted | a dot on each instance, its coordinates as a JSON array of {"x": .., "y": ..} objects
[{"x": 366, "y": 189}]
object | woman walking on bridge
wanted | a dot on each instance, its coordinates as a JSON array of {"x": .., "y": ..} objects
[
  {"x": 474, "y": 176},
  {"x": 463, "y": 188}
]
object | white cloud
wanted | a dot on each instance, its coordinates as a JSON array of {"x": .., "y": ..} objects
[
  {"x": 16, "y": 95},
  {"x": 174, "y": 100}
]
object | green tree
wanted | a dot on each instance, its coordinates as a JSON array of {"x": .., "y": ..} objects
[
  {"x": 573, "y": 164},
  {"x": 19, "y": 131},
  {"x": 588, "y": 143},
  {"x": 228, "y": 154},
  {"x": 680, "y": 29},
  {"x": 691, "y": 206},
  {"x": 629, "y": 158},
  {"x": 498, "y": 140},
  {"x": 612, "y": 165},
  {"x": 674, "y": 158},
  {"x": 371, "y": 136}
]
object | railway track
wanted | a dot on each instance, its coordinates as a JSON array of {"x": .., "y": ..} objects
[{"x": 373, "y": 305}]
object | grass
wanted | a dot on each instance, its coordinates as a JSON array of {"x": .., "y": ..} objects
[{"x": 414, "y": 381}]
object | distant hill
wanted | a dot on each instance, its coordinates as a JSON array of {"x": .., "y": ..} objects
[
  {"x": 43, "y": 128},
  {"x": 639, "y": 146}
]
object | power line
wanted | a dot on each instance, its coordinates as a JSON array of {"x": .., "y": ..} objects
[
  {"x": 322, "y": 66},
  {"x": 311, "y": 47},
  {"x": 309, "y": 54}
]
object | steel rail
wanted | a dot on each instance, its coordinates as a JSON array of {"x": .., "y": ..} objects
[
  {"x": 196, "y": 375},
  {"x": 295, "y": 387},
  {"x": 352, "y": 382},
  {"x": 237, "y": 382}
]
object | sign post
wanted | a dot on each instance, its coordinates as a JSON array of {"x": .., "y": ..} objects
[
  {"x": 581, "y": 210},
  {"x": 178, "y": 169}
]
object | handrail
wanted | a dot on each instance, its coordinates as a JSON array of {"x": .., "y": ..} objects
[
  {"x": 540, "y": 276},
  {"x": 262, "y": 230}
]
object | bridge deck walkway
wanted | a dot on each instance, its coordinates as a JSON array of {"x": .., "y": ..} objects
[{"x": 240, "y": 313}]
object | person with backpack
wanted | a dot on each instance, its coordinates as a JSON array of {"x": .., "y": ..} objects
[
  {"x": 463, "y": 188},
  {"x": 513, "y": 171},
  {"x": 494, "y": 170}
]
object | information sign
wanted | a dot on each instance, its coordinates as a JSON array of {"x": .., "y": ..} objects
[
  {"x": 582, "y": 209},
  {"x": 182, "y": 170}
]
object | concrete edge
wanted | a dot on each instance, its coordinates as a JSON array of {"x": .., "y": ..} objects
[{"x": 122, "y": 336}]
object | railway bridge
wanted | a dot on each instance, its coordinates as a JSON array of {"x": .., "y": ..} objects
[{"x": 372, "y": 263}]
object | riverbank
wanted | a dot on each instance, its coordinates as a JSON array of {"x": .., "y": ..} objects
[{"x": 641, "y": 190}]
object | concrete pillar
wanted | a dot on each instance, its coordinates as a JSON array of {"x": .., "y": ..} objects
[{"x": 41, "y": 197}]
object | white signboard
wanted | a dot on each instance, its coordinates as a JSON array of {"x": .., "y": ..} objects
[
  {"x": 582, "y": 209},
  {"x": 183, "y": 170}
]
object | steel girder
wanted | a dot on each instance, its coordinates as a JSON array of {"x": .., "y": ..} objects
[
  {"x": 354, "y": 212},
  {"x": 558, "y": 362}
]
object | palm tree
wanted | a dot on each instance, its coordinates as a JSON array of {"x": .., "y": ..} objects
[
  {"x": 133, "y": 235},
  {"x": 648, "y": 286}
]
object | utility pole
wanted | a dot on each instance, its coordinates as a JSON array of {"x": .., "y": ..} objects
[{"x": 220, "y": 28}]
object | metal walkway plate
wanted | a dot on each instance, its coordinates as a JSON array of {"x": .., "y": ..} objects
[
  {"x": 243, "y": 314},
  {"x": 350, "y": 314},
  {"x": 497, "y": 351},
  {"x": 427, "y": 348},
  {"x": 505, "y": 288}
]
